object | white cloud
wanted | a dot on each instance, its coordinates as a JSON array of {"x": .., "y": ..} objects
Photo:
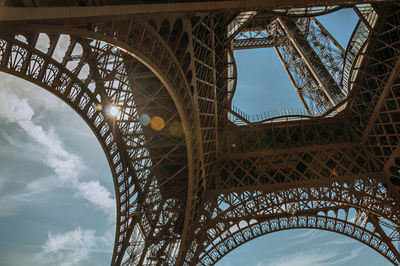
[
  {"x": 72, "y": 248},
  {"x": 68, "y": 249},
  {"x": 37, "y": 186},
  {"x": 302, "y": 259},
  {"x": 24, "y": 89},
  {"x": 11, "y": 203},
  {"x": 66, "y": 165},
  {"x": 316, "y": 257},
  {"x": 98, "y": 195},
  {"x": 341, "y": 241},
  {"x": 14, "y": 109}
]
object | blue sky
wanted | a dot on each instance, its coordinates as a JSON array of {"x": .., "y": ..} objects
[
  {"x": 263, "y": 84},
  {"x": 56, "y": 193},
  {"x": 56, "y": 190}
]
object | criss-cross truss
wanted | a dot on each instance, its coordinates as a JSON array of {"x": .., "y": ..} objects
[{"x": 207, "y": 177}]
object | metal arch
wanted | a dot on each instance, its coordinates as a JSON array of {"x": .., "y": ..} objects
[
  {"x": 258, "y": 207},
  {"x": 104, "y": 96},
  {"x": 167, "y": 69},
  {"x": 367, "y": 237},
  {"x": 148, "y": 35},
  {"x": 140, "y": 143},
  {"x": 384, "y": 94},
  {"x": 25, "y": 61},
  {"x": 321, "y": 144},
  {"x": 366, "y": 194}
]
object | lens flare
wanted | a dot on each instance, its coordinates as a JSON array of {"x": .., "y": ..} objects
[
  {"x": 99, "y": 107},
  {"x": 175, "y": 129},
  {"x": 157, "y": 123},
  {"x": 144, "y": 119},
  {"x": 114, "y": 110}
]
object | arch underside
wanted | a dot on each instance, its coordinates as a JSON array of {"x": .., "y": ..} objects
[
  {"x": 149, "y": 167},
  {"x": 169, "y": 209},
  {"x": 353, "y": 208},
  {"x": 250, "y": 232},
  {"x": 241, "y": 213}
]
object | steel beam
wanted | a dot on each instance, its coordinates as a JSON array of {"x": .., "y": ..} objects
[
  {"x": 307, "y": 60},
  {"x": 297, "y": 89},
  {"x": 86, "y": 12}
]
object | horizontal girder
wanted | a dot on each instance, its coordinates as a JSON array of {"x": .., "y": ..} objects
[
  {"x": 187, "y": 191},
  {"x": 62, "y": 12},
  {"x": 356, "y": 203}
]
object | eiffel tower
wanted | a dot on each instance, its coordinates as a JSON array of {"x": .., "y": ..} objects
[{"x": 194, "y": 176}]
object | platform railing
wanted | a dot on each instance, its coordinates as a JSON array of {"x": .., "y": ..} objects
[
  {"x": 354, "y": 56},
  {"x": 239, "y": 117},
  {"x": 358, "y": 44}
]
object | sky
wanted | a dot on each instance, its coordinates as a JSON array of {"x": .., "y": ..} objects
[
  {"x": 264, "y": 86},
  {"x": 57, "y": 202}
]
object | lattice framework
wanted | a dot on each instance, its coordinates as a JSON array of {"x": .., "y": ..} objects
[{"x": 193, "y": 195}]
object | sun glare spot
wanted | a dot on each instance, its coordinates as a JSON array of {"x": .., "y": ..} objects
[
  {"x": 144, "y": 119},
  {"x": 157, "y": 123},
  {"x": 114, "y": 110},
  {"x": 99, "y": 107},
  {"x": 175, "y": 129}
]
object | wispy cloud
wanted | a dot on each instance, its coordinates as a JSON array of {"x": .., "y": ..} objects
[
  {"x": 98, "y": 195},
  {"x": 73, "y": 247},
  {"x": 67, "y": 249},
  {"x": 66, "y": 165},
  {"x": 315, "y": 257},
  {"x": 302, "y": 259},
  {"x": 339, "y": 261},
  {"x": 309, "y": 235},
  {"x": 42, "y": 145},
  {"x": 8, "y": 206}
]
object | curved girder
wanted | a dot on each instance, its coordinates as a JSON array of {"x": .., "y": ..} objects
[
  {"x": 305, "y": 11},
  {"x": 352, "y": 193},
  {"x": 194, "y": 82},
  {"x": 110, "y": 80},
  {"x": 22, "y": 58},
  {"x": 145, "y": 44},
  {"x": 234, "y": 237},
  {"x": 375, "y": 209}
]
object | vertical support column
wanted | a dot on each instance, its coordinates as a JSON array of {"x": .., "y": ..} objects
[
  {"x": 214, "y": 79},
  {"x": 297, "y": 89},
  {"x": 307, "y": 60},
  {"x": 327, "y": 34}
]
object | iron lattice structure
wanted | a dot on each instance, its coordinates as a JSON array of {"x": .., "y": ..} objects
[{"x": 213, "y": 177}]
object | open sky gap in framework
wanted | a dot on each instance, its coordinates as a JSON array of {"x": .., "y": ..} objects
[
  {"x": 58, "y": 223},
  {"x": 51, "y": 215}
]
